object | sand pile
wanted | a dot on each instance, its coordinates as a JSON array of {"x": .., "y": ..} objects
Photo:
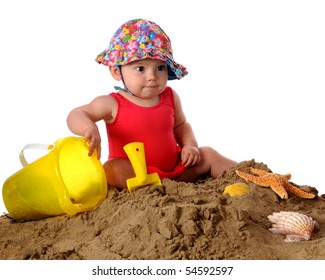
[{"x": 173, "y": 221}]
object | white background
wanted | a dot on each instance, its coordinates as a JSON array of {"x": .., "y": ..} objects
[{"x": 254, "y": 88}]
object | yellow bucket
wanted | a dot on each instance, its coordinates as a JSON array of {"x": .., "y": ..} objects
[{"x": 64, "y": 181}]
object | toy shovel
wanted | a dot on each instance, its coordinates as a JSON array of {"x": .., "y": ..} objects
[{"x": 136, "y": 154}]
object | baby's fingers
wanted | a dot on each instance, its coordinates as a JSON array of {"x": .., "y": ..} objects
[
  {"x": 98, "y": 148},
  {"x": 94, "y": 145},
  {"x": 189, "y": 159},
  {"x": 91, "y": 136}
]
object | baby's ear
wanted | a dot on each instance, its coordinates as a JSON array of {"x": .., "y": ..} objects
[{"x": 115, "y": 72}]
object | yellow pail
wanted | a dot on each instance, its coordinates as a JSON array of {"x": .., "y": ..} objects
[{"x": 64, "y": 181}]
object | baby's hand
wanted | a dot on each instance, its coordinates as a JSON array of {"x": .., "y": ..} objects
[
  {"x": 92, "y": 136},
  {"x": 190, "y": 155}
]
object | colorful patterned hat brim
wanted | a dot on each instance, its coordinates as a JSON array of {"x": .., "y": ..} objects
[{"x": 140, "y": 39}]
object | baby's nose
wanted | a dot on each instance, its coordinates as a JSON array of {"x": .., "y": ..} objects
[{"x": 151, "y": 75}]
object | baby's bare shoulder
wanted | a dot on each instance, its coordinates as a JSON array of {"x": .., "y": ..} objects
[{"x": 104, "y": 100}]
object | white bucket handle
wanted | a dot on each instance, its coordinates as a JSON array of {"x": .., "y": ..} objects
[{"x": 34, "y": 146}]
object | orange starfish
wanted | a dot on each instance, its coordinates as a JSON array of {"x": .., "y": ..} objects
[{"x": 278, "y": 183}]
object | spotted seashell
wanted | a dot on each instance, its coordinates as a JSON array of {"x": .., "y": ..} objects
[{"x": 295, "y": 226}]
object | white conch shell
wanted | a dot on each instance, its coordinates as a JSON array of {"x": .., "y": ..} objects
[{"x": 295, "y": 226}]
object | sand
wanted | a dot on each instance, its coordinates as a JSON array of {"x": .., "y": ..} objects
[{"x": 175, "y": 221}]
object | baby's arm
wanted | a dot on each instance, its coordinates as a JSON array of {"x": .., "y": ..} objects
[
  {"x": 82, "y": 120},
  {"x": 185, "y": 136}
]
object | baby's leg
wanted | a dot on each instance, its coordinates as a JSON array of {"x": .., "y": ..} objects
[
  {"x": 212, "y": 163},
  {"x": 117, "y": 171}
]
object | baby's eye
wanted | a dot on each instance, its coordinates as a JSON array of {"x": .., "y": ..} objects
[
  {"x": 140, "y": 68},
  {"x": 161, "y": 67}
]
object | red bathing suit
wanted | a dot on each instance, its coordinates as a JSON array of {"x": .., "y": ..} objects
[{"x": 154, "y": 126}]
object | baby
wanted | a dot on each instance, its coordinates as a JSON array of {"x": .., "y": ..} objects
[{"x": 145, "y": 110}]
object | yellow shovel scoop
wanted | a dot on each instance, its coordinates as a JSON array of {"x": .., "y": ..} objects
[{"x": 136, "y": 154}]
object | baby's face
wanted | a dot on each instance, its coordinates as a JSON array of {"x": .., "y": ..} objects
[{"x": 145, "y": 78}]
